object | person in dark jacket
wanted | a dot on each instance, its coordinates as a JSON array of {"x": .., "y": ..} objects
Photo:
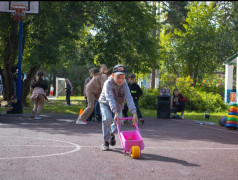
[
  {"x": 178, "y": 104},
  {"x": 136, "y": 92},
  {"x": 69, "y": 89},
  {"x": 15, "y": 107}
]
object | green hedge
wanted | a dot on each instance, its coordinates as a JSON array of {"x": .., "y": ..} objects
[
  {"x": 149, "y": 98},
  {"x": 197, "y": 99}
]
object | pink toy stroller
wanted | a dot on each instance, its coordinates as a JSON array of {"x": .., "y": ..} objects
[{"x": 131, "y": 141}]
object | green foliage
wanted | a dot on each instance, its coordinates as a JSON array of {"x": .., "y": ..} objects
[
  {"x": 176, "y": 13},
  {"x": 199, "y": 100},
  {"x": 201, "y": 49},
  {"x": 149, "y": 98},
  {"x": 125, "y": 36}
]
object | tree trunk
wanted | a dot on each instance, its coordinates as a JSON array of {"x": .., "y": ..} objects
[
  {"x": 195, "y": 74},
  {"x": 9, "y": 57},
  {"x": 154, "y": 36}
]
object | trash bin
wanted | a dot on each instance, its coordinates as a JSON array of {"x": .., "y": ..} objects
[{"x": 163, "y": 107}]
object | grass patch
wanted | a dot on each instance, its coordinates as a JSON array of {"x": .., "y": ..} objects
[
  {"x": 71, "y": 98},
  {"x": 54, "y": 106},
  {"x": 200, "y": 116}
]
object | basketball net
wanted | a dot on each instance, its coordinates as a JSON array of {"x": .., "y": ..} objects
[{"x": 19, "y": 12}]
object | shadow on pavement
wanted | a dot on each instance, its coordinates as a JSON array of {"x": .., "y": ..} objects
[
  {"x": 154, "y": 157},
  {"x": 153, "y": 130}
]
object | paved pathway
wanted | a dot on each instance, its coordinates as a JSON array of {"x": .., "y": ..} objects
[{"x": 56, "y": 148}]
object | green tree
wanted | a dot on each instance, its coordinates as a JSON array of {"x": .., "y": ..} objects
[
  {"x": 175, "y": 15},
  {"x": 59, "y": 35},
  {"x": 123, "y": 36},
  {"x": 49, "y": 38},
  {"x": 197, "y": 51}
]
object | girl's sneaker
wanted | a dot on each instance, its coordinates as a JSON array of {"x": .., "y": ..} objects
[
  {"x": 32, "y": 114},
  {"x": 105, "y": 146},
  {"x": 81, "y": 122},
  {"x": 37, "y": 117}
]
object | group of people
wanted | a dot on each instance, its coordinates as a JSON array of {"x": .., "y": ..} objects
[
  {"x": 114, "y": 96},
  {"x": 92, "y": 91},
  {"x": 107, "y": 89},
  {"x": 108, "y": 94}
]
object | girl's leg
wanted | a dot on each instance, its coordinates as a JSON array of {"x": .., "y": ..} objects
[
  {"x": 41, "y": 99},
  {"x": 182, "y": 107},
  {"x": 35, "y": 105}
]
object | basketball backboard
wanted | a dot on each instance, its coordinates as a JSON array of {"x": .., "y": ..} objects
[{"x": 32, "y": 6}]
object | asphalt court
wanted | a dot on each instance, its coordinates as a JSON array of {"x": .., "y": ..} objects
[{"x": 56, "y": 148}]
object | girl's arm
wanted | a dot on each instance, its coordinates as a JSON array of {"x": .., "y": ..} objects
[{"x": 182, "y": 98}]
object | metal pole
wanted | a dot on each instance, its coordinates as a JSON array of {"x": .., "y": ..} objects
[{"x": 19, "y": 64}]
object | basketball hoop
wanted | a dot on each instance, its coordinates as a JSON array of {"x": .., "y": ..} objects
[{"x": 19, "y": 12}]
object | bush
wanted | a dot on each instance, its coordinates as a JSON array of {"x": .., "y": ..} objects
[
  {"x": 197, "y": 99},
  {"x": 149, "y": 98},
  {"x": 200, "y": 100}
]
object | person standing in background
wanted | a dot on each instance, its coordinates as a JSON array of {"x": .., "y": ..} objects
[
  {"x": 97, "y": 111},
  {"x": 39, "y": 90},
  {"x": 84, "y": 91},
  {"x": 51, "y": 90},
  {"x": 136, "y": 92},
  {"x": 68, "y": 88},
  {"x": 178, "y": 104}
]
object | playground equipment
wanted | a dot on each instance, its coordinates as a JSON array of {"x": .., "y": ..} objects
[
  {"x": 222, "y": 120},
  {"x": 81, "y": 111},
  {"x": 18, "y": 9},
  {"x": 232, "y": 118},
  {"x": 60, "y": 87},
  {"x": 131, "y": 141}
]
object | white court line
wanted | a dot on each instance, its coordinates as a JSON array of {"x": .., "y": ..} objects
[
  {"x": 171, "y": 148},
  {"x": 36, "y": 146},
  {"x": 195, "y": 148},
  {"x": 77, "y": 148},
  {"x": 230, "y": 131}
]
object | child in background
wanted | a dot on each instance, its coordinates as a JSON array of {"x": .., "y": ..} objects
[
  {"x": 97, "y": 112},
  {"x": 178, "y": 104},
  {"x": 84, "y": 91},
  {"x": 15, "y": 106},
  {"x": 38, "y": 90},
  {"x": 51, "y": 90},
  {"x": 69, "y": 89},
  {"x": 93, "y": 91},
  {"x": 136, "y": 92},
  {"x": 115, "y": 92}
]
